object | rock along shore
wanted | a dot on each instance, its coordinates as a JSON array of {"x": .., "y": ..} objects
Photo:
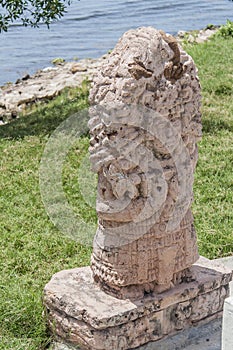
[{"x": 47, "y": 83}]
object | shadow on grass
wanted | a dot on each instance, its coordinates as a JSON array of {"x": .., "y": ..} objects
[
  {"x": 47, "y": 117},
  {"x": 29, "y": 125},
  {"x": 211, "y": 126}
]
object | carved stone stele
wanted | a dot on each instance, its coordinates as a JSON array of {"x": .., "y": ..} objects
[
  {"x": 143, "y": 190},
  {"x": 143, "y": 284}
]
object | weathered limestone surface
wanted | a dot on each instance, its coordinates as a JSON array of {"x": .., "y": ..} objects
[
  {"x": 200, "y": 337},
  {"x": 146, "y": 68},
  {"x": 143, "y": 283},
  {"x": 82, "y": 314}
]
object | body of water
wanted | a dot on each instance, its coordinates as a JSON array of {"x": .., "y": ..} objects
[{"x": 91, "y": 28}]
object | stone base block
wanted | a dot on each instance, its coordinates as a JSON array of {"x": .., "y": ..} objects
[
  {"x": 82, "y": 314},
  {"x": 200, "y": 337}
]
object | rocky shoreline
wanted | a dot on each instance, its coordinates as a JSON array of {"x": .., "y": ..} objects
[
  {"x": 47, "y": 83},
  {"x": 44, "y": 85}
]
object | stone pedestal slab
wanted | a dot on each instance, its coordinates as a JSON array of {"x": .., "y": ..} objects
[
  {"x": 200, "y": 337},
  {"x": 82, "y": 314}
]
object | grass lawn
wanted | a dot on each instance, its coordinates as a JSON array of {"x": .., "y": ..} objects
[
  {"x": 32, "y": 249},
  {"x": 213, "y": 179}
]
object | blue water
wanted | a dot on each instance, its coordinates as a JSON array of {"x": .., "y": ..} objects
[{"x": 90, "y": 28}]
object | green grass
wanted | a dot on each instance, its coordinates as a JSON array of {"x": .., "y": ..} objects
[
  {"x": 32, "y": 249},
  {"x": 213, "y": 179}
]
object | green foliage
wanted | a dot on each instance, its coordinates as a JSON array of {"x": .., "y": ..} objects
[
  {"x": 210, "y": 26},
  {"x": 58, "y": 61},
  {"x": 226, "y": 30},
  {"x": 31, "y": 12}
]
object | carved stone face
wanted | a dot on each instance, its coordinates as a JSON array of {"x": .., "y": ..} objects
[{"x": 143, "y": 147}]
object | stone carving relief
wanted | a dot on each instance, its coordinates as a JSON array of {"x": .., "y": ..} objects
[{"x": 145, "y": 124}]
